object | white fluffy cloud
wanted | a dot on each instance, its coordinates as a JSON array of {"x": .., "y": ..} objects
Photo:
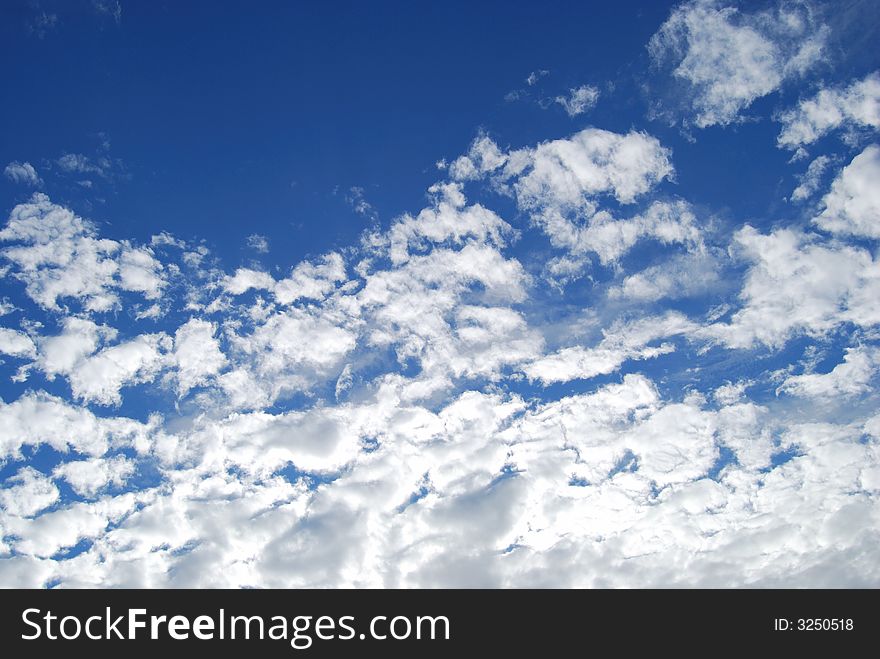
[
  {"x": 22, "y": 172},
  {"x": 39, "y": 418},
  {"x": 849, "y": 378},
  {"x": 568, "y": 173},
  {"x": 16, "y": 344},
  {"x": 98, "y": 378},
  {"x": 28, "y": 493},
  {"x": 311, "y": 281},
  {"x": 197, "y": 354},
  {"x": 60, "y": 353},
  {"x": 728, "y": 58},
  {"x": 404, "y": 412},
  {"x": 246, "y": 279},
  {"x": 483, "y": 157},
  {"x": 620, "y": 343},
  {"x": 854, "y": 106},
  {"x": 563, "y": 184},
  {"x": 286, "y": 352},
  {"x": 449, "y": 219},
  {"x": 88, "y": 477},
  {"x": 609, "y": 238},
  {"x": 518, "y": 490},
  {"x": 58, "y": 256},
  {"x": 797, "y": 284},
  {"x": 852, "y": 207},
  {"x": 98, "y": 375},
  {"x": 308, "y": 280}
]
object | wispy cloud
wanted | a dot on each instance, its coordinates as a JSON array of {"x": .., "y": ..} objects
[
  {"x": 358, "y": 202},
  {"x": 809, "y": 181},
  {"x": 101, "y": 166},
  {"x": 80, "y": 164},
  {"x": 108, "y": 8},
  {"x": 579, "y": 100},
  {"x": 42, "y": 23},
  {"x": 535, "y": 76},
  {"x": 258, "y": 243}
]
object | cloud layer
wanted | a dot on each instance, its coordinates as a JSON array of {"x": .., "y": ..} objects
[{"x": 560, "y": 371}]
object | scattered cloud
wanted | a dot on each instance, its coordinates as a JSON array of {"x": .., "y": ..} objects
[
  {"x": 22, "y": 172},
  {"x": 797, "y": 284},
  {"x": 849, "y": 378},
  {"x": 16, "y": 344},
  {"x": 89, "y": 477},
  {"x": 28, "y": 493},
  {"x": 564, "y": 185},
  {"x": 579, "y": 100},
  {"x": 857, "y": 105},
  {"x": 90, "y": 171},
  {"x": 724, "y": 58},
  {"x": 526, "y": 92},
  {"x": 58, "y": 256},
  {"x": 482, "y": 157},
  {"x": 558, "y": 479}
]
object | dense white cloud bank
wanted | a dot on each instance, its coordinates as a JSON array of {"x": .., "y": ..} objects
[{"x": 425, "y": 477}]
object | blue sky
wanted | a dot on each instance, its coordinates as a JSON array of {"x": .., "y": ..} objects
[
  {"x": 496, "y": 295},
  {"x": 268, "y": 112}
]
